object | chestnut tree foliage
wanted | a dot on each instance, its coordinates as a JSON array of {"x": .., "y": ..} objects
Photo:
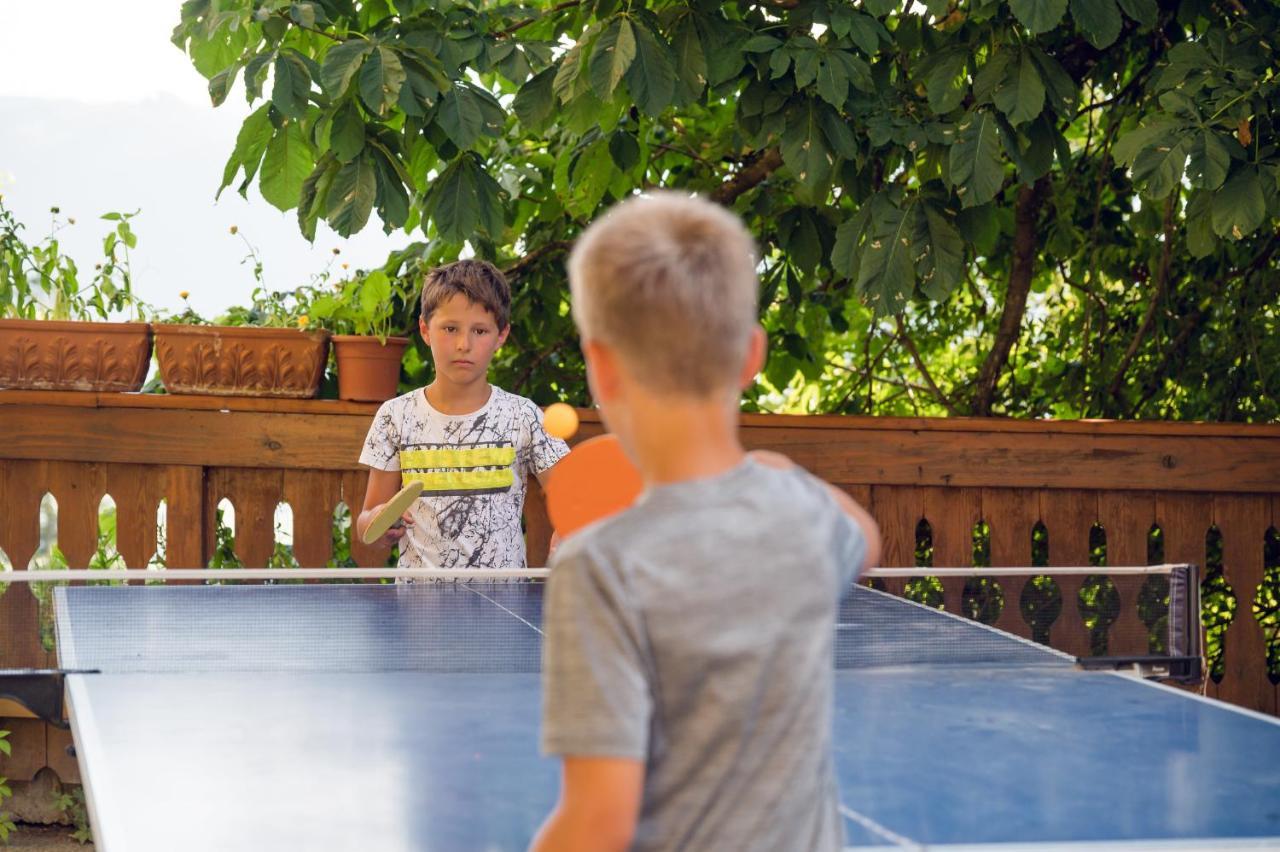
[{"x": 1024, "y": 207}]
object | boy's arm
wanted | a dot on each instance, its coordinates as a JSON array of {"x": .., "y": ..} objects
[
  {"x": 598, "y": 808},
  {"x": 383, "y": 485},
  {"x": 870, "y": 529}
]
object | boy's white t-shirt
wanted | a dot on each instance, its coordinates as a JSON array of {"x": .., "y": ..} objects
[{"x": 475, "y": 470}]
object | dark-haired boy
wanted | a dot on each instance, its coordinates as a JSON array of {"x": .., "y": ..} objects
[{"x": 470, "y": 443}]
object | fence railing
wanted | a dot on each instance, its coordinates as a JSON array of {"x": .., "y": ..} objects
[{"x": 953, "y": 493}]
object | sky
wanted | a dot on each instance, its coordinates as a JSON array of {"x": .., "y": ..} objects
[{"x": 100, "y": 112}]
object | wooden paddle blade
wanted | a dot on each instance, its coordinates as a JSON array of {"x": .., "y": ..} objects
[
  {"x": 391, "y": 511},
  {"x": 594, "y": 481}
]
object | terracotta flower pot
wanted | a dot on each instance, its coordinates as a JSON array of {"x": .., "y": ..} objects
[
  {"x": 368, "y": 370},
  {"x": 241, "y": 360},
  {"x": 83, "y": 356}
]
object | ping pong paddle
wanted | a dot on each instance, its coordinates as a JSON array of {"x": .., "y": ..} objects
[
  {"x": 391, "y": 511},
  {"x": 594, "y": 481}
]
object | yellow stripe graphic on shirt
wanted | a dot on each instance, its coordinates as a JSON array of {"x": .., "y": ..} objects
[
  {"x": 461, "y": 480},
  {"x": 457, "y": 457}
]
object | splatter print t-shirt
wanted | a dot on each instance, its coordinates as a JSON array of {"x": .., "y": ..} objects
[{"x": 474, "y": 468}]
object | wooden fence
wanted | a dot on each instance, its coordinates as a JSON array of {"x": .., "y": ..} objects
[{"x": 1067, "y": 477}]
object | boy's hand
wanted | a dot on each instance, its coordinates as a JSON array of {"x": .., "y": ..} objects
[{"x": 397, "y": 530}]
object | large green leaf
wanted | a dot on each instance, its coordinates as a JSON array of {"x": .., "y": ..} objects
[
  {"x": 287, "y": 163},
  {"x": 1210, "y": 160},
  {"x": 1129, "y": 145},
  {"x": 1063, "y": 93},
  {"x": 464, "y": 200},
  {"x": 251, "y": 144},
  {"x": 381, "y": 77},
  {"x": 691, "y": 60},
  {"x": 887, "y": 275},
  {"x": 1158, "y": 169},
  {"x": 612, "y": 56},
  {"x": 1201, "y": 240},
  {"x": 221, "y": 83},
  {"x": 292, "y": 85},
  {"x": 865, "y": 32},
  {"x": 255, "y": 73},
  {"x": 460, "y": 116},
  {"x": 651, "y": 78},
  {"x": 939, "y": 252},
  {"x": 375, "y": 294},
  {"x": 535, "y": 101},
  {"x": 315, "y": 193},
  {"x": 994, "y": 73},
  {"x": 1039, "y": 16},
  {"x": 1240, "y": 206},
  {"x": 346, "y": 136},
  {"x": 976, "y": 170},
  {"x": 341, "y": 64},
  {"x": 833, "y": 82},
  {"x": 1021, "y": 95},
  {"x": 846, "y": 254},
  {"x": 570, "y": 82},
  {"x": 947, "y": 82},
  {"x": 1144, "y": 12},
  {"x": 804, "y": 145},
  {"x": 1099, "y": 20},
  {"x": 351, "y": 196}
]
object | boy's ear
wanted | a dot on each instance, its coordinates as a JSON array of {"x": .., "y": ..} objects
[
  {"x": 422, "y": 329},
  {"x": 603, "y": 376},
  {"x": 502, "y": 335},
  {"x": 756, "y": 350}
]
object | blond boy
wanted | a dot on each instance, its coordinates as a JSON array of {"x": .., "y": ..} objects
[
  {"x": 472, "y": 444},
  {"x": 688, "y": 661}
]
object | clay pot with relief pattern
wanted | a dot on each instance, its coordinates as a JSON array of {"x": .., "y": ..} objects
[
  {"x": 71, "y": 355},
  {"x": 241, "y": 360}
]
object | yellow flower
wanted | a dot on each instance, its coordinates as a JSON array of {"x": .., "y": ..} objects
[
  {"x": 234, "y": 229},
  {"x": 304, "y": 321},
  {"x": 183, "y": 294},
  {"x": 346, "y": 266}
]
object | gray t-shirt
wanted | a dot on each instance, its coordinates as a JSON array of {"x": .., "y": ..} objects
[{"x": 694, "y": 632}]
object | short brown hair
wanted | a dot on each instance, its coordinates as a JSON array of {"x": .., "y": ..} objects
[
  {"x": 478, "y": 280},
  {"x": 669, "y": 281}
]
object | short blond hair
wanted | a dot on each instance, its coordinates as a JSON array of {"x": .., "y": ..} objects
[{"x": 669, "y": 282}]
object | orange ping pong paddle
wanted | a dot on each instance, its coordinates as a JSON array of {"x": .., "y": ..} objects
[{"x": 594, "y": 481}]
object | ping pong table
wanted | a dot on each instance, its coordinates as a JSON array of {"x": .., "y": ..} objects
[{"x": 406, "y": 717}]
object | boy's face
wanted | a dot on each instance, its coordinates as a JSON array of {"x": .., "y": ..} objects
[{"x": 463, "y": 336}]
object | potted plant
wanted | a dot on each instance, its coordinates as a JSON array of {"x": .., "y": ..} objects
[
  {"x": 361, "y": 312},
  {"x": 268, "y": 349},
  {"x": 55, "y": 333}
]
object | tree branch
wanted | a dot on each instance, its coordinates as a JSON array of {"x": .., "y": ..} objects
[
  {"x": 1026, "y": 213},
  {"x": 758, "y": 168},
  {"x": 1162, "y": 279},
  {"x": 568, "y": 4},
  {"x": 521, "y": 266},
  {"x": 910, "y": 346},
  {"x": 1193, "y": 320}
]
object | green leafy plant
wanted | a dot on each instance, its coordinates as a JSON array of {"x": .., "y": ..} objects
[
  {"x": 995, "y": 207},
  {"x": 73, "y": 805},
  {"x": 7, "y": 826},
  {"x": 367, "y": 303},
  {"x": 39, "y": 281}
]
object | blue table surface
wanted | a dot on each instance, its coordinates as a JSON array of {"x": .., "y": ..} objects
[{"x": 406, "y": 718}]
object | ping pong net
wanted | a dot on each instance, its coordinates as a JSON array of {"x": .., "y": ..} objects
[{"x": 300, "y": 620}]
